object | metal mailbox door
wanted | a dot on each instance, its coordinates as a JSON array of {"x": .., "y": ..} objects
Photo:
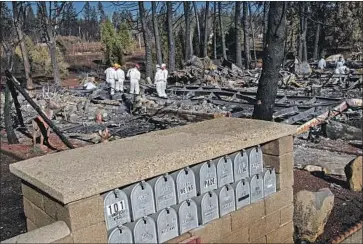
[
  {"x": 269, "y": 182},
  {"x": 207, "y": 207},
  {"x": 185, "y": 184},
  {"x": 120, "y": 234},
  {"x": 224, "y": 171},
  {"x": 141, "y": 198},
  {"x": 256, "y": 184},
  {"x": 255, "y": 160},
  {"x": 240, "y": 166},
  {"x": 144, "y": 230},
  {"x": 226, "y": 200},
  {"x": 166, "y": 224},
  {"x": 188, "y": 215},
  {"x": 164, "y": 191},
  {"x": 116, "y": 208},
  {"x": 242, "y": 191},
  {"x": 206, "y": 177}
]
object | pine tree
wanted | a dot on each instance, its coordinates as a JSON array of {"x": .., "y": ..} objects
[{"x": 101, "y": 12}]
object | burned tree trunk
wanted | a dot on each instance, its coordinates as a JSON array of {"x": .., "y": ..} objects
[
  {"x": 156, "y": 34},
  {"x": 188, "y": 40},
  {"x": 246, "y": 35},
  {"x": 146, "y": 35},
  {"x": 316, "y": 41},
  {"x": 266, "y": 6},
  {"x": 253, "y": 36},
  {"x": 18, "y": 22},
  {"x": 237, "y": 24},
  {"x": 206, "y": 30},
  {"x": 198, "y": 28},
  {"x": 303, "y": 30},
  {"x": 10, "y": 134},
  {"x": 215, "y": 30},
  {"x": 171, "y": 36},
  {"x": 221, "y": 29},
  {"x": 272, "y": 59}
]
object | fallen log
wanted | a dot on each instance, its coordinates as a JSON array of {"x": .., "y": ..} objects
[
  {"x": 15, "y": 82},
  {"x": 330, "y": 114}
]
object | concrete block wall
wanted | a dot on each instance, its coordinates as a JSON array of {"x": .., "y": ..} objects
[
  {"x": 266, "y": 221},
  {"x": 73, "y": 195}
]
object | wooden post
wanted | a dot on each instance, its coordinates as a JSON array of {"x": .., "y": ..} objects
[{"x": 13, "y": 80}]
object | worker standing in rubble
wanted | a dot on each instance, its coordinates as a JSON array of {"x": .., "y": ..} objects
[
  {"x": 111, "y": 76},
  {"x": 340, "y": 62},
  {"x": 165, "y": 79},
  {"x": 108, "y": 71},
  {"x": 134, "y": 75},
  {"x": 322, "y": 63},
  {"x": 159, "y": 80},
  {"x": 120, "y": 77}
]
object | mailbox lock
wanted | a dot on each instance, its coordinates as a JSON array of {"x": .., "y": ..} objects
[
  {"x": 210, "y": 194},
  {"x": 142, "y": 185},
  {"x": 119, "y": 227},
  {"x": 167, "y": 210},
  {"x": 242, "y": 152},
  {"x": 117, "y": 193},
  {"x": 165, "y": 177},
  {"x": 225, "y": 159},
  {"x": 208, "y": 163},
  {"x": 188, "y": 202},
  {"x": 186, "y": 171},
  {"x": 144, "y": 219}
]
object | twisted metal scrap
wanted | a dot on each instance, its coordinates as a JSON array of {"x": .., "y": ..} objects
[{"x": 351, "y": 103}]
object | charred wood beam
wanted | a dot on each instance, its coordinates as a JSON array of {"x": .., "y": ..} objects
[
  {"x": 16, "y": 102},
  {"x": 14, "y": 81}
]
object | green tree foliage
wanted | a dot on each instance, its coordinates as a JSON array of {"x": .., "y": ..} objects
[
  {"x": 101, "y": 12},
  {"x": 115, "y": 44}
]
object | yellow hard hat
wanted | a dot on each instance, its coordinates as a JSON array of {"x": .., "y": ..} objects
[{"x": 116, "y": 66}]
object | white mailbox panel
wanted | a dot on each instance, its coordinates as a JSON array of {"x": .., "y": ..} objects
[
  {"x": 206, "y": 177},
  {"x": 185, "y": 184},
  {"x": 144, "y": 230},
  {"x": 207, "y": 207},
  {"x": 240, "y": 166},
  {"x": 226, "y": 200},
  {"x": 188, "y": 215},
  {"x": 166, "y": 224},
  {"x": 164, "y": 191},
  {"x": 121, "y": 234},
  {"x": 224, "y": 171},
  {"x": 142, "y": 201},
  {"x": 242, "y": 191},
  {"x": 255, "y": 160},
  {"x": 116, "y": 208},
  {"x": 269, "y": 182},
  {"x": 256, "y": 184}
]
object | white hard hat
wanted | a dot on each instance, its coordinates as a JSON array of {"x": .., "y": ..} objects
[{"x": 163, "y": 65}]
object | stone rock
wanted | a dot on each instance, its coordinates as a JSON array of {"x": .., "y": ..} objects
[
  {"x": 335, "y": 130},
  {"x": 353, "y": 172},
  {"x": 311, "y": 212},
  {"x": 315, "y": 168},
  {"x": 73, "y": 118}
]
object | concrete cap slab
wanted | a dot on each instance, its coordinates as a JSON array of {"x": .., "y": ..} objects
[{"x": 83, "y": 172}]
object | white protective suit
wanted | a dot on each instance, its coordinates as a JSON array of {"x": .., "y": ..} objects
[
  {"x": 134, "y": 75},
  {"x": 112, "y": 81},
  {"x": 340, "y": 63},
  {"x": 89, "y": 86},
  {"x": 120, "y": 77},
  {"x": 341, "y": 70},
  {"x": 322, "y": 64},
  {"x": 165, "y": 78},
  {"x": 159, "y": 80},
  {"x": 108, "y": 72}
]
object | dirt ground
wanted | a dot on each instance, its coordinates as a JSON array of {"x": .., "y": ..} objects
[
  {"x": 348, "y": 205},
  {"x": 12, "y": 220}
]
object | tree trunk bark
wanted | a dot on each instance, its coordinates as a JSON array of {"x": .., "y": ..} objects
[
  {"x": 10, "y": 134},
  {"x": 221, "y": 28},
  {"x": 156, "y": 34},
  {"x": 272, "y": 59},
  {"x": 188, "y": 44},
  {"x": 18, "y": 22},
  {"x": 316, "y": 42},
  {"x": 146, "y": 35},
  {"x": 266, "y": 6},
  {"x": 171, "y": 37},
  {"x": 303, "y": 29},
  {"x": 246, "y": 35},
  {"x": 53, "y": 58},
  {"x": 198, "y": 28},
  {"x": 305, "y": 58},
  {"x": 237, "y": 23},
  {"x": 253, "y": 37},
  {"x": 215, "y": 30},
  {"x": 206, "y": 30}
]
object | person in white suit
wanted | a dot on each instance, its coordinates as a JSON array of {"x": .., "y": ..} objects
[
  {"x": 120, "y": 77},
  {"x": 159, "y": 80},
  {"x": 165, "y": 78},
  {"x": 135, "y": 76}
]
